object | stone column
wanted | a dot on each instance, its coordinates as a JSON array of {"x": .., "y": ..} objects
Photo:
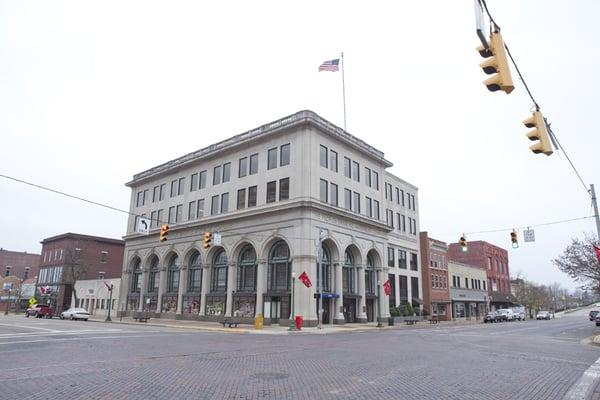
[
  {"x": 183, "y": 273},
  {"x": 143, "y": 288},
  {"x": 261, "y": 280},
  {"x": 205, "y": 288},
  {"x": 362, "y": 301},
  {"x": 338, "y": 315},
  {"x": 231, "y": 287},
  {"x": 162, "y": 284}
]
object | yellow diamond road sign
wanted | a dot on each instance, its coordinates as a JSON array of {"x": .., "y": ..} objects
[{"x": 32, "y": 301}]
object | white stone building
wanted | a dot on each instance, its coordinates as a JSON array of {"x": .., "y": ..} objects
[
  {"x": 468, "y": 291},
  {"x": 271, "y": 193},
  {"x": 94, "y": 296}
]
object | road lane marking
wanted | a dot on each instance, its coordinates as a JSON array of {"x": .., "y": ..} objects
[
  {"x": 58, "y": 333},
  {"x": 81, "y": 338},
  {"x": 581, "y": 388},
  {"x": 29, "y": 327}
]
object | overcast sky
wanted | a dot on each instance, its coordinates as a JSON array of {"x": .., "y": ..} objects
[{"x": 93, "y": 92}]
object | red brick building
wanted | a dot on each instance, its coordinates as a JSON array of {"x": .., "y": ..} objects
[
  {"x": 494, "y": 260},
  {"x": 70, "y": 257},
  {"x": 434, "y": 273},
  {"x": 18, "y": 263}
]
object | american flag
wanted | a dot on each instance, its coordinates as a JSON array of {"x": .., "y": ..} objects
[{"x": 330, "y": 65}]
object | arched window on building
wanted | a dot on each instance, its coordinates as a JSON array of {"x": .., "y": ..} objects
[
  {"x": 348, "y": 273},
  {"x": 136, "y": 276},
  {"x": 153, "y": 275},
  {"x": 370, "y": 275},
  {"x": 219, "y": 272},
  {"x": 246, "y": 271},
  {"x": 324, "y": 273},
  {"x": 280, "y": 267},
  {"x": 194, "y": 283},
  {"x": 173, "y": 275}
]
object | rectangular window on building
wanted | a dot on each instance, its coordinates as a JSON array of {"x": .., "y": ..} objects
[
  {"x": 414, "y": 266},
  {"x": 375, "y": 180},
  {"x": 200, "y": 209},
  {"x": 138, "y": 201},
  {"x": 323, "y": 190},
  {"x": 179, "y": 213},
  {"x": 402, "y": 259},
  {"x": 409, "y": 203},
  {"x": 180, "y": 186},
  {"x": 103, "y": 256},
  {"x": 389, "y": 218},
  {"x": 271, "y": 191},
  {"x": 348, "y": 199},
  {"x": 403, "y": 223},
  {"x": 253, "y": 164},
  {"x": 153, "y": 222},
  {"x": 241, "y": 199},
  {"x": 202, "y": 179},
  {"x": 333, "y": 160},
  {"x": 217, "y": 175},
  {"x": 155, "y": 193},
  {"x": 323, "y": 156},
  {"x": 391, "y": 258},
  {"x": 145, "y": 197},
  {"x": 284, "y": 155},
  {"x": 347, "y": 167},
  {"x": 397, "y": 195},
  {"x": 194, "y": 182},
  {"x": 357, "y": 203},
  {"x": 333, "y": 194},
  {"x": 214, "y": 206},
  {"x": 159, "y": 217},
  {"x": 272, "y": 158},
  {"x": 414, "y": 283},
  {"x": 174, "y": 188},
  {"x": 284, "y": 189},
  {"x": 376, "y": 209},
  {"x": 368, "y": 176},
  {"x": 369, "y": 206},
  {"x": 466, "y": 283},
  {"x": 224, "y": 203},
  {"x": 484, "y": 286},
  {"x": 398, "y": 221},
  {"x": 243, "y": 167},
  {"x": 192, "y": 210},
  {"x": 226, "y": 172},
  {"x": 171, "y": 215},
  {"x": 252, "y": 196},
  {"x": 355, "y": 171}
]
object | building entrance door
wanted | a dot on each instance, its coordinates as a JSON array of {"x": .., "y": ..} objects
[
  {"x": 350, "y": 310},
  {"x": 370, "y": 310},
  {"x": 275, "y": 309}
]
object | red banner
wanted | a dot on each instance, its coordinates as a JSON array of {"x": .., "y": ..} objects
[
  {"x": 305, "y": 279},
  {"x": 387, "y": 287},
  {"x": 597, "y": 250}
]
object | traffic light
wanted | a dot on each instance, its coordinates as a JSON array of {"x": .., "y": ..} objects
[
  {"x": 497, "y": 64},
  {"x": 540, "y": 132},
  {"x": 207, "y": 239},
  {"x": 164, "y": 231},
  {"x": 463, "y": 243},
  {"x": 514, "y": 239}
]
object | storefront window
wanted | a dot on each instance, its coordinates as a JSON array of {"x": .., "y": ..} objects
[
  {"x": 191, "y": 304},
  {"x": 244, "y": 306},
  {"x": 459, "y": 310},
  {"x": 215, "y": 306},
  {"x": 169, "y": 303}
]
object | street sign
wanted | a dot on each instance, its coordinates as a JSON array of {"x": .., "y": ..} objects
[
  {"x": 32, "y": 302},
  {"x": 217, "y": 239},
  {"x": 529, "y": 235},
  {"x": 7, "y": 285},
  {"x": 143, "y": 226}
]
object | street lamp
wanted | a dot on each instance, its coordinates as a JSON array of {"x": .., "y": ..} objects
[
  {"x": 110, "y": 291},
  {"x": 379, "y": 324},
  {"x": 292, "y": 322}
]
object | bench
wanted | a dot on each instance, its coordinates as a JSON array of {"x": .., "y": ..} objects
[
  {"x": 232, "y": 322},
  {"x": 434, "y": 320},
  {"x": 411, "y": 321},
  {"x": 141, "y": 316}
]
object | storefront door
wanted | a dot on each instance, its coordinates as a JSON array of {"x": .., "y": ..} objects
[{"x": 350, "y": 310}]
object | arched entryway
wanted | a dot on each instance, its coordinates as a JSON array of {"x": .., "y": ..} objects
[
  {"x": 244, "y": 299},
  {"x": 151, "y": 297},
  {"x": 349, "y": 285},
  {"x": 169, "y": 299},
  {"x": 370, "y": 286},
  {"x": 191, "y": 298},
  {"x": 217, "y": 296},
  {"x": 279, "y": 269},
  {"x": 135, "y": 287}
]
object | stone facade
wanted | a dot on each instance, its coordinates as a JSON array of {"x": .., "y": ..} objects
[
  {"x": 94, "y": 296},
  {"x": 434, "y": 268},
  {"x": 468, "y": 291},
  {"x": 273, "y": 194}
]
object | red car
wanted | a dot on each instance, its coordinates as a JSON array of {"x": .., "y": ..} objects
[{"x": 39, "y": 311}]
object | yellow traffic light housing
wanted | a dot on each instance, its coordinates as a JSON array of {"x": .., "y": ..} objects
[
  {"x": 540, "y": 132},
  {"x": 514, "y": 239},
  {"x": 164, "y": 231},
  {"x": 463, "y": 243},
  {"x": 496, "y": 64},
  {"x": 207, "y": 239}
]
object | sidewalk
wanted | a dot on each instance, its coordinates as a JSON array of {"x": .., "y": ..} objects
[{"x": 274, "y": 329}]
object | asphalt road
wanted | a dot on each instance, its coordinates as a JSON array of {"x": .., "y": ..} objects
[{"x": 87, "y": 360}]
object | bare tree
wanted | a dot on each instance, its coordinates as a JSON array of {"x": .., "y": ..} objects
[
  {"x": 75, "y": 268},
  {"x": 580, "y": 263}
]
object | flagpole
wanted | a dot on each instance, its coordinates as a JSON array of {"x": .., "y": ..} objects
[{"x": 344, "y": 91}]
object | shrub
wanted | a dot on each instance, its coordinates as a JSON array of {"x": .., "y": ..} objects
[{"x": 409, "y": 310}]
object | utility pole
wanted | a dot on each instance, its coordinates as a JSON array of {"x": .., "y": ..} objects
[{"x": 595, "y": 205}]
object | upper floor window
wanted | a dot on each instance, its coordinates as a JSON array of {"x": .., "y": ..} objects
[
  {"x": 369, "y": 206},
  {"x": 202, "y": 179},
  {"x": 375, "y": 180},
  {"x": 368, "y": 176},
  {"x": 323, "y": 156},
  {"x": 333, "y": 194},
  {"x": 241, "y": 199},
  {"x": 214, "y": 206},
  {"x": 272, "y": 158},
  {"x": 224, "y": 203},
  {"x": 194, "y": 182},
  {"x": 323, "y": 190},
  {"x": 253, "y": 164},
  {"x": 413, "y": 262},
  {"x": 402, "y": 259},
  {"x": 376, "y": 209},
  {"x": 271, "y": 191},
  {"x": 355, "y": 171},
  {"x": 284, "y": 155},
  {"x": 243, "y": 167},
  {"x": 391, "y": 258},
  {"x": 226, "y": 172},
  {"x": 347, "y": 166},
  {"x": 357, "y": 203},
  {"x": 348, "y": 199},
  {"x": 284, "y": 189},
  {"x": 217, "y": 175},
  {"x": 103, "y": 256},
  {"x": 333, "y": 160},
  {"x": 155, "y": 193}
]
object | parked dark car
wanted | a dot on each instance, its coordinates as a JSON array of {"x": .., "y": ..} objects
[
  {"x": 40, "y": 311},
  {"x": 593, "y": 315},
  {"x": 492, "y": 316},
  {"x": 597, "y": 319}
]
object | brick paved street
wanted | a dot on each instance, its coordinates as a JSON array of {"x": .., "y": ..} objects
[{"x": 79, "y": 360}]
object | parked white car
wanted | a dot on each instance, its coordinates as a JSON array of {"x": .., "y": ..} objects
[
  {"x": 543, "y": 315},
  {"x": 75, "y": 313},
  {"x": 506, "y": 314},
  {"x": 519, "y": 315}
]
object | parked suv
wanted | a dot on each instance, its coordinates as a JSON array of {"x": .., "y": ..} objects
[
  {"x": 40, "y": 311},
  {"x": 492, "y": 316},
  {"x": 506, "y": 314},
  {"x": 519, "y": 315}
]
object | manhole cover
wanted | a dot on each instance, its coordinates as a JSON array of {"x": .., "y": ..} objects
[{"x": 271, "y": 376}]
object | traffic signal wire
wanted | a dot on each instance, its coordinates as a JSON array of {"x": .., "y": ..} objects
[
  {"x": 531, "y": 226},
  {"x": 537, "y": 107}
]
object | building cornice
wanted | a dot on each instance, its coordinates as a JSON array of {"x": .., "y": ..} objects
[{"x": 291, "y": 121}]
